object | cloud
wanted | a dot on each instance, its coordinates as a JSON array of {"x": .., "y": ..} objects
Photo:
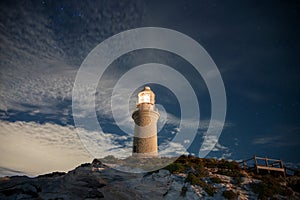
[
  {"x": 254, "y": 96},
  {"x": 267, "y": 140},
  {"x": 172, "y": 149},
  {"x": 209, "y": 143},
  {"x": 186, "y": 141},
  {"x": 236, "y": 141},
  {"x": 204, "y": 124},
  {"x": 292, "y": 165},
  {"x": 10, "y": 172},
  {"x": 40, "y": 53},
  {"x": 32, "y": 148},
  {"x": 35, "y": 148},
  {"x": 177, "y": 129},
  {"x": 37, "y": 89},
  {"x": 212, "y": 144},
  {"x": 289, "y": 137}
]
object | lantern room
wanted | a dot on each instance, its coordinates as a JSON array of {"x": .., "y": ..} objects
[{"x": 146, "y": 96}]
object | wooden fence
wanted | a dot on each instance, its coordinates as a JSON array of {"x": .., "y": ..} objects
[{"x": 263, "y": 164}]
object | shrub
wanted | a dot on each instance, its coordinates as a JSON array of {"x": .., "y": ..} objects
[
  {"x": 211, "y": 163},
  {"x": 85, "y": 165},
  {"x": 183, "y": 191},
  {"x": 182, "y": 159},
  {"x": 194, "y": 180},
  {"x": 269, "y": 187},
  {"x": 216, "y": 180},
  {"x": 229, "y": 194},
  {"x": 236, "y": 174},
  {"x": 53, "y": 174},
  {"x": 210, "y": 190},
  {"x": 232, "y": 165},
  {"x": 175, "y": 168}
]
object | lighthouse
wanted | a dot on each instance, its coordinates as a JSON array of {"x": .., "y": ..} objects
[{"x": 145, "y": 130}]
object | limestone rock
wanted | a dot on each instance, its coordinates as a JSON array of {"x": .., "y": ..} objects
[{"x": 98, "y": 181}]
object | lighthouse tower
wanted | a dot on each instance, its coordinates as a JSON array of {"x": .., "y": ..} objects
[{"x": 145, "y": 129}]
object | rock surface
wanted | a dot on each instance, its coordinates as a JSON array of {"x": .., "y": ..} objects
[{"x": 97, "y": 181}]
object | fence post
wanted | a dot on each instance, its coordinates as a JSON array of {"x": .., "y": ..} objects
[
  {"x": 256, "y": 164},
  {"x": 267, "y": 165}
]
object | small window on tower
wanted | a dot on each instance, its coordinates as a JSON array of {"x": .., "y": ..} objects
[{"x": 144, "y": 97}]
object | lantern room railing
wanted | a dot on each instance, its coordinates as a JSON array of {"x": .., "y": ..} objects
[{"x": 147, "y": 107}]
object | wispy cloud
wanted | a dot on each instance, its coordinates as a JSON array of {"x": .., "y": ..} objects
[
  {"x": 40, "y": 54},
  {"x": 172, "y": 149},
  {"x": 287, "y": 136},
  {"x": 10, "y": 172},
  {"x": 39, "y": 148},
  {"x": 254, "y": 96},
  {"x": 277, "y": 140},
  {"x": 32, "y": 148},
  {"x": 210, "y": 141},
  {"x": 268, "y": 140}
]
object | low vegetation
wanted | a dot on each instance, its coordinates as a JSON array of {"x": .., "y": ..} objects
[
  {"x": 206, "y": 173},
  {"x": 198, "y": 174},
  {"x": 229, "y": 194},
  {"x": 197, "y": 170},
  {"x": 270, "y": 186},
  {"x": 196, "y": 180}
]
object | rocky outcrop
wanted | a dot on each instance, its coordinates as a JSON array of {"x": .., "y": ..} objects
[
  {"x": 91, "y": 181},
  {"x": 98, "y": 181}
]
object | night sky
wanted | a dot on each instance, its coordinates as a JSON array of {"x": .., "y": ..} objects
[{"x": 255, "y": 45}]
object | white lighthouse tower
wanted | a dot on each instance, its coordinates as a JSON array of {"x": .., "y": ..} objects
[{"x": 145, "y": 129}]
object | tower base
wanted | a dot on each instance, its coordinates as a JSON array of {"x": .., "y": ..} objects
[{"x": 145, "y": 155}]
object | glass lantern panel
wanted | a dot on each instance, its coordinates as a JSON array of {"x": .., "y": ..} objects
[{"x": 144, "y": 97}]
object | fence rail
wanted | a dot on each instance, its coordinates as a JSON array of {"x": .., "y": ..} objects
[{"x": 263, "y": 164}]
